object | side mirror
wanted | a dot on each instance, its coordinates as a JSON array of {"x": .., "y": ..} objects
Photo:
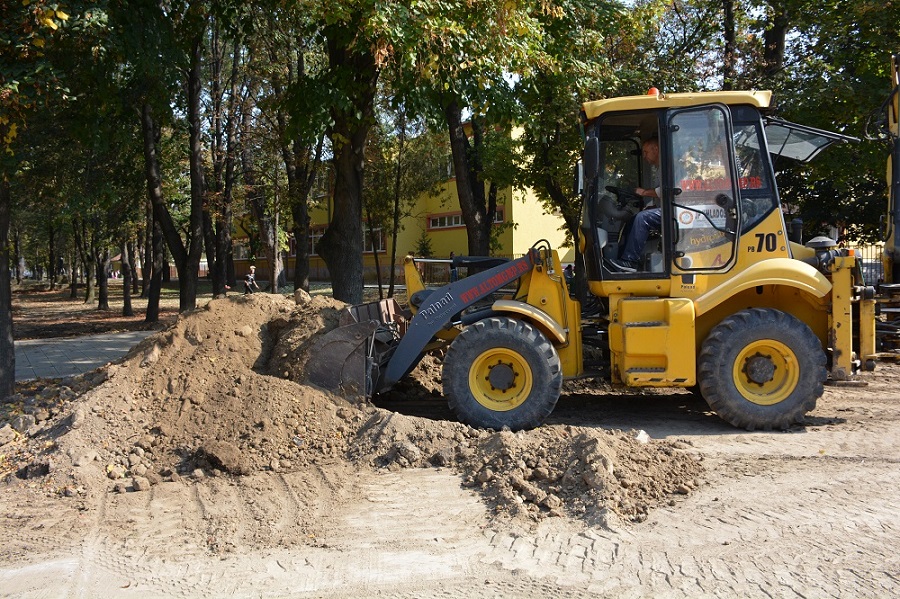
[{"x": 591, "y": 158}]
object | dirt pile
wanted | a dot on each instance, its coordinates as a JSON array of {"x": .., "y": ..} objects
[
  {"x": 551, "y": 471},
  {"x": 197, "y": 396},
  {"x": 218, "y": 394}
]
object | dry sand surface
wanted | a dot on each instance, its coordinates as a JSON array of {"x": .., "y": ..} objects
[{"x": 201, "y": 465}]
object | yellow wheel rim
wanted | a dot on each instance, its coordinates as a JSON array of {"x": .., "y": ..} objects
[
  {"x": 766, "y": 372},
  {"x": 500, "y": 379}
]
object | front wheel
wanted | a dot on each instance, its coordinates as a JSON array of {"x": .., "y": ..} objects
[
  {"x": 502, "y": 372},
  {"x": 762, "y": 369}
]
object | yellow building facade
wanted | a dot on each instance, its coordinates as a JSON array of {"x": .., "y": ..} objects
[{"x": 521, "y": 220}]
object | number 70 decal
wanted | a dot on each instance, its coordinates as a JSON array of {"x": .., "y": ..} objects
[{"x": 765, "y": 241}]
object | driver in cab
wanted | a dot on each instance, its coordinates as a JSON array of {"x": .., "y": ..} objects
[{"x": 646, "y": 221}]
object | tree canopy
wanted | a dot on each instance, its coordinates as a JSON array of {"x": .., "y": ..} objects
[{"x": 182, "y": 118}]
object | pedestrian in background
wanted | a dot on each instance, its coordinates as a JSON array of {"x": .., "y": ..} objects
[
  {"x": 250, "y": 285},
  {"x": 454, "y": 273}
]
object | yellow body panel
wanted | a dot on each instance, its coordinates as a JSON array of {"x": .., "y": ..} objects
[
  {"x": 652, "y": 342},
  {"x": 867, "y": 329},
  {"x": 841, "y": 336},
  {"x": 544, "y": 288},
  {"x": 889, "y": 257},
  {"x": 760, "y": 99},
  {"x": 775, "y": 271},
  {"x": 414, "y": 282}
]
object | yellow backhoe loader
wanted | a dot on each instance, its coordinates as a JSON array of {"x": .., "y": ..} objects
[
  {"x": 717, "y": 298},
  {"x": 889, "y": 288}
]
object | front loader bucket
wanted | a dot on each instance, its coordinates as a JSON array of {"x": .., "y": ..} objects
[
  {"x": 338, "y": 360},
  {"x": 346, "y": 360}
]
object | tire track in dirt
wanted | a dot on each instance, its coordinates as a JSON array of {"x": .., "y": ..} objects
[{"x": 820, "y": 536}]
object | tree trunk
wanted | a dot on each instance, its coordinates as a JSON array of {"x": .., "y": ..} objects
[
  {"x": 305, "y": 179},
  {"x": 189, "y": 269},
  {"x": 147, "y": 258},
  {"x": 51, "y": 251},
  {"x": 223, "y": 228},
  {"x": 209, "y": 246},
  {"x": 187, "y": 258},
  {"x": 133, "y": 259},
  {"x": 341, "y": 245},
  {"x": 88, "y": 264},
  {"x": 257, "y": 201},
  {"x": 301, "y": 162},
  {"x": 375, "y": 255},
  {"x": 155, "y": 287},
  {"x": 73, "y": 275},
  {"x": 468, "y": 188},
  {"x": 214, "y": 198},
  {"x": 182, "y": 257},
  {"x": 774, "y": 40},
  {"x": 728, "y": 59},
  {"x": 300, "y": 231},
  {"x": 17, "y": 253},
  {"x": 127, "y": 310},
  {"x": 256, "y": 198},
  {"x": 398, "y": 178},
  {"x": 102, "y": 261},
  {"x": 7, "y": 345}
]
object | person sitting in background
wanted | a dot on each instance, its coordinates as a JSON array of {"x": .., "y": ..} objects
[{"x": 250, "y": 284}]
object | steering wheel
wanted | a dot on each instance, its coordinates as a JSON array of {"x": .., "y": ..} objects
[{"x": 625, "y": 196}]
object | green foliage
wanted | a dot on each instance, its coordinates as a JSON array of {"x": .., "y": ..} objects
[
  {"x": 837, "y": 77},
  {"x": 28, "y": 78},
  {"x": 423, "y": 246},
  {"x": 72, "y": 74}
]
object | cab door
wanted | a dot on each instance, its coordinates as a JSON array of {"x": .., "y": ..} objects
[{"x": 704, "y": 190}]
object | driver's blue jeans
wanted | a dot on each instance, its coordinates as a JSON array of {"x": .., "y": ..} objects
[{"x": 644, "y": 222}]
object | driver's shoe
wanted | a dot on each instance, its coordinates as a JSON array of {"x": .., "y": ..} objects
[{"x": 624, "y": 265}]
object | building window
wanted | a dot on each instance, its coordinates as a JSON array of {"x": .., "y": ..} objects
[
  {"x": 316, "y": 233},
  {"x": 449, "y": 221},
  {"x": 445, "y": 221},
  {"x": 380, "y": 244}
]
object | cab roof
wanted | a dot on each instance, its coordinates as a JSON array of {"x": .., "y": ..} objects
[{"x": 592, "y": 110}]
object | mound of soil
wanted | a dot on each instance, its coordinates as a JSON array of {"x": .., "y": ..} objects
[{"x": 221, "y": 393}]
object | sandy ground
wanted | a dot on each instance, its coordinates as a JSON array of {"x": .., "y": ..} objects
[{"x": 202, "y": 466}]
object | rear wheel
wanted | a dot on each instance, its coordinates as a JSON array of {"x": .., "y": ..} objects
[
  {"x": 761, "y": 369},
  {"x": 502, "y": 372}
]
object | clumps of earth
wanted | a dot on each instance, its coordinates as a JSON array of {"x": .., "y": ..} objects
[{"x": 222, "y": 393}]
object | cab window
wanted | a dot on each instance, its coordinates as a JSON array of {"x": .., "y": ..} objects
[{"x": 704, "y": 189}]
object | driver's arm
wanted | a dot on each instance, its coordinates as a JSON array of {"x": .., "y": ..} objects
[{"x": 648, "y": 192}]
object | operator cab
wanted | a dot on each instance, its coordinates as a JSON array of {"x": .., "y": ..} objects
[
  {"x": 701, "y": 177},
  {"x": 715, "y": 183}
]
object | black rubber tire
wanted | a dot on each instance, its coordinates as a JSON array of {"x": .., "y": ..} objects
[
  {"x": 532, "y": 352},
  {"x": 791, "y": 394}
]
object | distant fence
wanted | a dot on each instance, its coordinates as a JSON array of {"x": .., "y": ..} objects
[
  {"x": 436, "y": 271},
  {"x": 870, "y": 262}
]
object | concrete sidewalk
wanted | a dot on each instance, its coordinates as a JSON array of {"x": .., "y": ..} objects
[{"x": 62, "y": 357}]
